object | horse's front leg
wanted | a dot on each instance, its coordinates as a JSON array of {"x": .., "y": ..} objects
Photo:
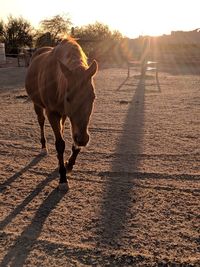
[
  {"x": 72, "y": 160},
  {"x": 55, "y": 121}
]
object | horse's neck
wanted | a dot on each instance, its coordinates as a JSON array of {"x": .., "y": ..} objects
[{"x": 63, "y": 54}]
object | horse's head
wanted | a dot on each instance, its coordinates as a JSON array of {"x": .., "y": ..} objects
[{"x": 79, "y": 100}]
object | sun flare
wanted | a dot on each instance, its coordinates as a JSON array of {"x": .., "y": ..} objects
[{"x": 131, "y": 18}]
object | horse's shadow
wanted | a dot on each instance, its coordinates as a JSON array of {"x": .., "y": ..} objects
[
  {"x": 24, "y": 244},
  {"x": 27, "y": 200},
  {"x": 119, "y": 187},
  {"x": 31, "y": 164}
]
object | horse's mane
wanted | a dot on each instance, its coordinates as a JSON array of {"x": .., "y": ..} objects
[{"x": 71, "y": 54}]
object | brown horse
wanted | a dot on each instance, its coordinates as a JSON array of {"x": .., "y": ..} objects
[{"x": 60, "y": 82}]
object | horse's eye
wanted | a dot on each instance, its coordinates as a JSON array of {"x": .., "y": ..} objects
[{"x": 68, "y": 99}]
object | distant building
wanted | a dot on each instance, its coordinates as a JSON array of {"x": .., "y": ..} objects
[
  {"x": 179, "y": 46},
  {"x": 181, "y": 37}
]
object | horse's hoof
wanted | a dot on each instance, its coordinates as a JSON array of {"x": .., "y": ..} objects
[
  {"x": 44, "y": 151},
  {"x": 63, "y": 187},
  {"x": 69, "y": 167}
]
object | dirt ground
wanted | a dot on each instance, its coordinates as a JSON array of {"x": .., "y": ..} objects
[{"x": 134, "y": 197}]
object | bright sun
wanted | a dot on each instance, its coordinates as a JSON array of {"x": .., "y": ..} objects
[{"x": 131, "y": 18}]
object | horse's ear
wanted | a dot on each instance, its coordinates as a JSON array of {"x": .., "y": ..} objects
[
  {"x": 92, "y": 69},
  {"x": 65, "y": 69}
]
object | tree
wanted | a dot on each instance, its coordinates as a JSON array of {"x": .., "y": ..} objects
[
  {"x": 99, "y": 41},
  {"x": 1, "y": 29},
  {"x": 57, "y": 26},
  {"x": 16, "y": 34},
  {"x": 96, "y": 31},
  {"x": 44, "y": 39}
]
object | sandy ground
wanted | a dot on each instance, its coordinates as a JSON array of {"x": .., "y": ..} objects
[{"x": 134, "y": 196}]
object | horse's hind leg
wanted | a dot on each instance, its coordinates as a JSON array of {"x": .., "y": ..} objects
[
  {"x": 55, "y": 121},
  {"x": 41, "y": 119}
]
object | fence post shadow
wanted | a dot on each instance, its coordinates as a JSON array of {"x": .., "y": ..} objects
[
  {"x": 123, "y": 83},
  {"x": 158, "y": 82},
  {"x": 119, "y": 186}
]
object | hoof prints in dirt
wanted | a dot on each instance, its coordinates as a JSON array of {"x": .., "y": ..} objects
[{"x": 22, "y": 97}]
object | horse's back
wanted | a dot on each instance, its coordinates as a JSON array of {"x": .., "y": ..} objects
[
  {"x": 40, "y": 51},
  {"x": 45, "y": 82},
  {"x": 35, "y": 74}
]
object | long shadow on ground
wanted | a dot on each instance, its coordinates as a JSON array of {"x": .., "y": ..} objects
[
  {"x": 18, "y": 209},
  {"x": 119, "y": 188},
  {"x": 24, "y": 244},
  {"x": 31, "y": 164}
]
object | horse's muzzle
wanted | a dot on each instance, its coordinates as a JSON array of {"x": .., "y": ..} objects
[{"x": 81, "y": 140}]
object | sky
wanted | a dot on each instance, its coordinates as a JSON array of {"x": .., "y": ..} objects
[{"x": 132, "y": 18}]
